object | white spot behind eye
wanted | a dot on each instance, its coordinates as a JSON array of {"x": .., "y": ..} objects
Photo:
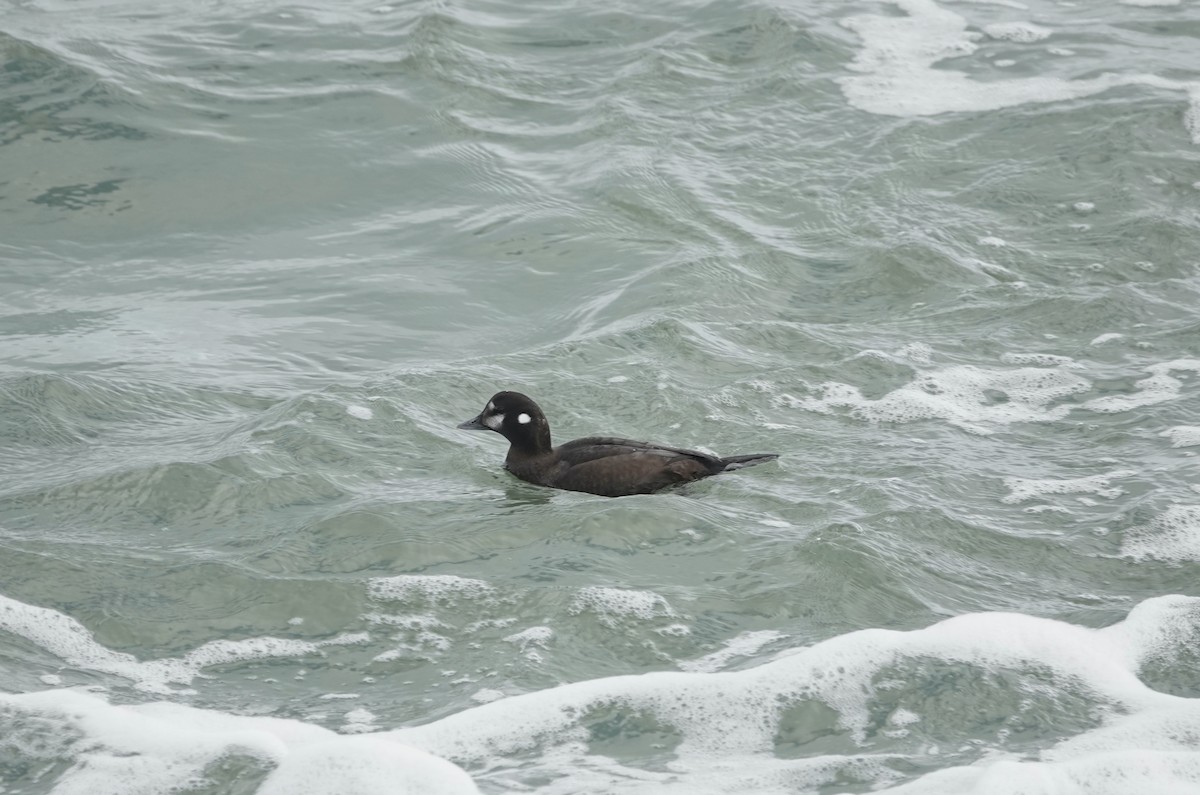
[
  {"x": 523, "y": 418},
  {"x": 494, "y": 421}
]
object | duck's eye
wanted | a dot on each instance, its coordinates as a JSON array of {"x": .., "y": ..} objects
[
  {"x": 523, "y": 418},
  {"x": 494, "y": 421}
]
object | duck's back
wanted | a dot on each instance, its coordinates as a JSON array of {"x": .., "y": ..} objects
[{"x": 615, "y": 467}]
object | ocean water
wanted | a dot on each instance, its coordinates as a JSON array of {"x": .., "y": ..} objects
[{"x": 258, "y": 259}]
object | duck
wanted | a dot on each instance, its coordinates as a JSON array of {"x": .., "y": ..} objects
[{"x": 604, "y": 465}]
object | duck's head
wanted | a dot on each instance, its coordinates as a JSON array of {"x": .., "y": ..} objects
[{"x": 515, "y": 417}]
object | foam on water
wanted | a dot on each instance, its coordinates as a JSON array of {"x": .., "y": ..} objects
[
  {"x": 727, "y": 724},
  {"x": 161, "y": 747},
  {"x": 1183, "y": 435},
  {"x": 70, "y": 641},
  {"x": 487, "y": 695},
  {"x": 359, "y": 721},
  {"x": 530, "y": 641},
  {"x": 1017, "y": 4},
  {"x": 744, "y": 645},
  {"x": 1174, "y": 535},
  {"x": 978, "y": 399},
  {"x": 735, "y": 717},
  {"x": 1022, "y": 489},
  {"x": 1160, "y": 386},
  {"x": 1023, "y": 32},
  {"x": 1040, "y": 360},
  {"x": 962, "y": 395},
  {"x": 434, "y": 588},
  {"x": 365, "y": 766},
  {"x": 612, "y": 604},
  {"x": 899, "y": 72}
]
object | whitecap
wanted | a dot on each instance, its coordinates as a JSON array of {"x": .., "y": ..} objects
[
  {"x": 163, "y": 747},
  {"x": 962, "y": 395},
  {"x": 1022, "y": 489},
  {"x": 70, "y": 641},
  {"x": 433, "y": 588},
  {"x": 1173, "y": 535},
  {"x": 1183, "y": 435},
  {"x": 612, "y": 604},
  {"x": 1159, "y": 387},
  {"x": 899, "y": 71},
  {"x": 726, "y": 723}
]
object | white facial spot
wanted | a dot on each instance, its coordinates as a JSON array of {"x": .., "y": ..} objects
[
  {"x": 523, "y": 418},
  {"x": 489, "y": 408},
  {"x": 494, "y": 421}
]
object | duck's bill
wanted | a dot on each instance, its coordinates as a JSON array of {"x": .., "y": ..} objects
[{"x": 474, "y": 424}]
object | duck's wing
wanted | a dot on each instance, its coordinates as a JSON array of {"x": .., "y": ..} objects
[
  {"x": 615, "y": 467},
  {"x": 591, "y": 448}
]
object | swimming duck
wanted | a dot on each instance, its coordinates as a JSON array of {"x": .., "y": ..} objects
[{"x": 603, "y": 465}]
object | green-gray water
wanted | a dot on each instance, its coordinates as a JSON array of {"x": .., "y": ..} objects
[{"x": 257, "y": 261}]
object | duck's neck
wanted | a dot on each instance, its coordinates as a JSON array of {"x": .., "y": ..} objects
[{"x": 536, "y": 443}]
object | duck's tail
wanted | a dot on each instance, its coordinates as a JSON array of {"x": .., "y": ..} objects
[{"x": 739, "y": 461}]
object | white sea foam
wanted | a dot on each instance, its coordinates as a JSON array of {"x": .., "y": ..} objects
[
  {"x": 918, "y": 352},
  {"x": 898, "y": 72},
  {"x": 487, "y": 696},
  {"x": 674, "y": 630},
  {"x": 360, "y": 412},
  {"x": 1173, "y": 535},
  {"x": 531, "y": 640},
  {"x": 359, "y": 721},
  {"x": 963, "y": 395},
  {"x": 1023, "y": 32},
  {"x": 417, "y": 638},
  {"x": 727, "y": 724},
  {"x": 1159, "y": 387},
  {"x": 1006, "y": 3},
  {"x": 70, "y": 641},
  {"x": 734, "y": 717},
  {"x": 977, "y": 398},
  {"x": 422, "y": 635},
  {"x": 161, "y": 747},
  {"x": 1183, "y": 435},
  {"x": 1040, "y": 360},
  {"x": 1022, "y": 489},
  {"x": 744, "y": 645},
  {"x": 420, "y": 645},
  {"x": 612, "y": 604},
  {"x": 434, "y": 588}
]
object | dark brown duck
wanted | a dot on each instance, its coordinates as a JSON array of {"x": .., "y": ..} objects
[{"x": 600, "y": 465}]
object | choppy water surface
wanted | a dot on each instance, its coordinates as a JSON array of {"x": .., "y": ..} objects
[{"x": 258, "y": 260}]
